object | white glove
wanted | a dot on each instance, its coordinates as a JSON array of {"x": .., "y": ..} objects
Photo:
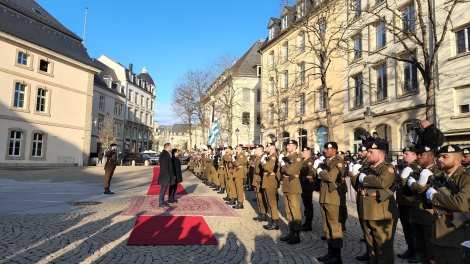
[
  {"x": 322, "y": 158},
  {"x": 319, "y": 170},
  {"x": 351, "y": 166},
  {"x": 394, "y": 163},
  {"x": 423, "y": 177},
  {"x": 410, "y": 181},
  {"x": 430, "y": 193},
  {"x": 281, "y": 156},
  {"x": 316, "y": 163},
  {"x": 406, "y": 172},
  {"x": 233, "y": 157},
  {"x": 355, "y": 169},
  {"x": 361, "y": 177},
  {"x": 282, "y": 163},
  {"x": 248, "y": 158}
]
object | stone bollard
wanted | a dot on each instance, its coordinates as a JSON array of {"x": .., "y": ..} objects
[
  {"x": 133, "y": 163},
  {"x": 146, "y": 163}
]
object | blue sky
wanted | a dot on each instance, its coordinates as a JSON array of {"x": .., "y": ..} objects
[{"x": 167, "y": 38}]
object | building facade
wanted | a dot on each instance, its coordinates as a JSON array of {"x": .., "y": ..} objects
[
  {"x": 140, "y": 93},
  {"x": 46, "y": 77}
]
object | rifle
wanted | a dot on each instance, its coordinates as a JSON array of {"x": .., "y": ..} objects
[
  {"x": 459, "y": 217},
  {"x": 384, "y": 194},
  {"x": 331, "y": 185}
]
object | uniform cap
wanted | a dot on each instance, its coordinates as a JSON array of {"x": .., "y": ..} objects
[
  {"x": 306, "y": 149},
  {"x": 378, "y": 145},
  {"x": 449, "y": 149},
  {"x": 425, "y": 149},
  {"x": 270, "y": 144},
  {"x": 362, "y": 148},
  {"x": 331, "y": 145},
  {"x": 293, "y": 142},
  {"x": 410, "y": 149},
  {"x": 259, "y": 146},
  {"x": 229, "y": 147},
  {"x": 112, "y": 145},
  {"x": 466, "y": 151},
  {"x": 341, "y": 152}
]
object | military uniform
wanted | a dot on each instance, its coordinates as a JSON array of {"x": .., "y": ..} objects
[
  {"x": 256, "y": 183},
  {"x": 239, "y": 175},
  {"x": 231, "y": 192},
  {"x": 109, "y": 168},
  {"x": 378, "y": 215},
  {"x": 308, "y": 186},
  {"x": 222, "y": 174},
  {"x": 270, "y": 183}
]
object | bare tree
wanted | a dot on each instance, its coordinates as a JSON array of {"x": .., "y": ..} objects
[{"x": 107, "y": 133}]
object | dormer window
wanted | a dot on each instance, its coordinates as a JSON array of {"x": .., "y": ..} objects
[
  {"x": 271, "y": 33},
  {"x": 258, "y": 70},
  {"x": 301, "y": 9},
  {"x": 285, "y": 22}
]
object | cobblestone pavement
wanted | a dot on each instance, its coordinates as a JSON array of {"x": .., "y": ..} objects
[{"x": 97, "y": 234}]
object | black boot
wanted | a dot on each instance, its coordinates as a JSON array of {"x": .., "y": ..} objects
[
  {"x": 307, "y": 226},
  {"x": 262, "y": 218},
  {"x": 407, "y": 254},
  {"x": 328, "y": 255},
  {"x": 226, "y": 198},
  {"x": 364, "y": 257},
  {"x": 295, "y": 239},
  {"x": 217, "y": 188},
  {"x": 231, "y": 202},
  {"x": 336, "y": 258},
  {"x": 323, "y": 237},
  {"x": 222, "y": 190},
  {"x": 273, "y": 226},
  {"x": 416, "y": 258},
  {"x": 289, "y": 236},
  {"x": 238, "y": 206},
  {"x": 107, "y": 191}
]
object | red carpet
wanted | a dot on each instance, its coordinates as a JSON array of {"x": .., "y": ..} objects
[
  {"x": 155, "y": 188},
  {"x": 171, "y": 230}
]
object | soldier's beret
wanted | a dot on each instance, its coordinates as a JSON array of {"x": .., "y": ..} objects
[
  {"x": 293, "y": 142},
  {"x": 229, "y": 147},
  {"x": 270, "y": 144},
  {"x": 466, "y": 151},
  {"x": 423, "y": 149},
  {"x": 331, "y": 145},
  {"x": 449, "y": 149},
  {"x": 112, "y": 145},
  {"x": 341, "y": 152},
  {"x": 410, "y": 149},
  {"x": 240, "y": 145},
  {"x": 362, "y": 148},
  {"x": 306, "y": 149},
  {"x": 378, "y": 145}
]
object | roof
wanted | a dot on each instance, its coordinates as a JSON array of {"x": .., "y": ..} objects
[
  {"x": 246, "y": 64},
  {"x": 27, "y": 20},
  {"x": 176, "y": 128},
  {"x": 144, "y": 75}
]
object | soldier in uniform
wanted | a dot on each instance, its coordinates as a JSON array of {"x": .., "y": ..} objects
[
  {"x": 451, "y": 203},
  {"x": 343, "y": 208},
  {"x": 291, "y": 166},
  {"x": 270, "y": 183},
  {"x": 215, "y": 165},
  {"x": 222, "y": 173},
  {"x": 405, "y": 202},
  {"x": 466, "y": 159},
  {"x": 109, "y": 167},
  {"x": 330, "y": 173},
  {"x": 421, "y": 211},
  {"x": 308, "y": 186},
  {"x": 228, "y": 161},
  {"x": 239, "y": 174},
  {"x": 257, "y": 180},
  {"x": 377, "y": 209}
]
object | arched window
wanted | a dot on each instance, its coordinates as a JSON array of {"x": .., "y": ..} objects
[
  {"x": 285, "y": 136},
  {"x": 385, "y": 131},
  {"x": 302, "y": 139},
  {"x": 408, "y": 134},
  {"x": 322, "y": 137},
  {"x": 357, "y": 141}
]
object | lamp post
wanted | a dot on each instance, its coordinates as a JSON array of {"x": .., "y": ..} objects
[
  {"x": 368, "y": 114},
  {"x": 171, "y": 140},
  {"x": 261, "y": 129},
  {"x": 301, "y": 129},
  {"x": 237, "y": 131}
]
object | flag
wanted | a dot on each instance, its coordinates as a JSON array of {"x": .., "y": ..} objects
[{"x": 215, "y": 132}]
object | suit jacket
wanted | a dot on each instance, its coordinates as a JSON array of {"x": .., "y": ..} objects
[
  {"x": 167, "y": 175},
  {"x": 177, "y": 169}
]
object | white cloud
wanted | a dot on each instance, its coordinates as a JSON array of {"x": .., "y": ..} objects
[{"x": 164, "y": 113}]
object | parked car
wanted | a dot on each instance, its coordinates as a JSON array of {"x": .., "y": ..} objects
[
  {"x": 139, "y": 158},
  {"x": 184, "y": 160},
  {"x": 153, "y": 160}
]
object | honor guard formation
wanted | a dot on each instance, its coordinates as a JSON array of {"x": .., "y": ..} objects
[{"x": 428, "y": 191}]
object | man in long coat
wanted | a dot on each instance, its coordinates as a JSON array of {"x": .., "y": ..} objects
[{"x": 167, "y": 175}]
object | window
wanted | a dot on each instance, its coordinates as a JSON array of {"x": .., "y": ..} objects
[
  {"x": 151, "y": 105},
  {"x": 463, "y": 40},
  {"x": 246, "y": 94},
  {"x": 301, "y": 73},
  {"x": 410, "y": 77},
  {"x": 301, "y": 9},
  {"x": 464, "y": 109},
  {"x": 322, "y": 137},
  {"x": 286, "y": 80},
  {"x": 271, "y": 60},
  {"x": 301, "y": 103},
  {"x": 271, "y": 114},
  {"x": 129, "y": 113},
  {"x": 258, "y": 70},
  {"x": 100, "y": 122},
  {"x": 271, "y": 86},
  {"x": 118, "y": 108},
  {"x": 284, "y": 109},
  {"x": 22, "y": 58},
  {"x": 135, "y": 116},
  {"x": 245, "y": 118},
  {"x": 380, "y": 35},
  {"x": 19, "y": 97},
  {"x": 15, "y": 143},
  {"x": 285, "y": 22},
  {"x": 101, "y": 103},
  {"x": 381, "y": 93},
  {"x": 141, "y": 117},
  {"x": 43, "y": 65},
  {"x": 117, "y": 128},
  {"x": 321, "y": 102},
  {"x": 302, "y": 42},
  {"x": 146, "y": 118},
  {"x": 258, "y": 118},
  {"x": 357, "y": 6},
  {"x": 136, "y": 97},
  {"x": 462, "y": 100},
  {"x": 129, "y": 96},
  {"x": 408, "y": 22},
  {"x": 378, "y": 1},
  {"x": 285, "y": 55},
  {"x": 358, "y": 47},
  {"x": 142, "y": 100},
  {"x": 128, "y": 132},
  {"x": 357, "y": 99},
  {"x": 37, "y": 145},
  {"x": 258, "y": 95},
  {"x": 271, "y": 33},
  {"x": 407, "y": 131},
  {"x": 41, "y": 100}
]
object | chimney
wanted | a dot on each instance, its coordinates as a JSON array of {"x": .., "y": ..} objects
[{"x": 130, "y": 71}]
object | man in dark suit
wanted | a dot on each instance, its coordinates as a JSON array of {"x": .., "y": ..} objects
[
  {"x": 167, "y": 175},
  {"x": 109, "y": 168},
  {"x": 179, "y": 176}
]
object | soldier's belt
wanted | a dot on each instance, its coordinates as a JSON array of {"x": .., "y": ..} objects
[
  {"x": 287, "y": 176},
  {"x": 268, "y": 174},
  {"x": 370, "y": 193}
]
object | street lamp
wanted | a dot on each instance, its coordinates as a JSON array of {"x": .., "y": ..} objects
[
  {"x": 261, "y": 129},
  {"x": 171, "y": 139},
  {"x": 368, "y": 114},
  {"x": 237, "y": 131},
  {"x": 301, "y": 129}
]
